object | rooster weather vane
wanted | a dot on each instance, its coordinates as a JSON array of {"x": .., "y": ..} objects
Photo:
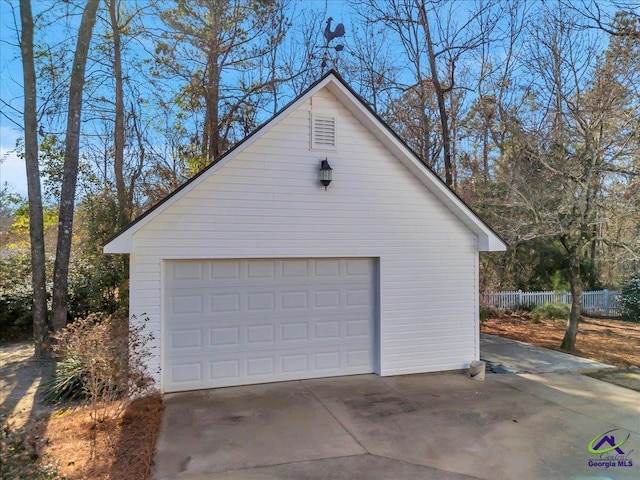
[{"x": 329, "y": 35}]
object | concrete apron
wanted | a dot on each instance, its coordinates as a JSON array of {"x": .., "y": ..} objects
[
  {"x": 504, "y": 355},
  {"x": 435, "y": 426}
]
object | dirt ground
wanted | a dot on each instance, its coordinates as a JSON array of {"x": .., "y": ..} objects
[
  {"x": 20, "y": 382},
  {"x": 614, "y": 342},
  {"x": 121, "y": 447}
]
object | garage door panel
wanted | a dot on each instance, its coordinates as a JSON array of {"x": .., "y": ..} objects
[
  {"x": 261, "y": 302},
  {"x": 294, "y": 364},
  {"x": 359, "y": 267},
  {"x": 326, "y": 268},
  {"x": 225, "y": 303},
  {"x": 358, "y": 358},
  {"x": 358, "y": 328},
  {"x": 326, "y": 299},
  {"x": 187, "y": 271},
  {"x": 185, "y": 303},
  {"x": 261, "y": 334},
  {"x": 320, "y": 361},
  {"x": 288, "y": 272},
  {"x": 231, "y": 333},
  {"x": 224, "y": 336},
  {"x": 187, "y": 373},
  {"x": 360, "y": 297},
  {"x": 224, "y": 270},
  {"x": 224, "y": 369},
  {"x": 228, "y": 299},
  {"x": 233, "y": 322},
  {"x": 294, "y": 332},
  {"x": 289, "y": 366},
  {"x": 295, "y": 269},
  {"x": 186, "y": 338}
]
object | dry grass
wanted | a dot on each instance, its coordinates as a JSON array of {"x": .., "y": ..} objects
[
  {"x": 120, "y": 448},
  {"x": 614, "y": 342}
]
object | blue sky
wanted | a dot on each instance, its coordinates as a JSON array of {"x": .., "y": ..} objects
[{"x": 12, "y": 168}]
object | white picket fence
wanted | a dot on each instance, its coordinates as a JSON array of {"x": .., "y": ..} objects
[{"x": 598, "y": 302}]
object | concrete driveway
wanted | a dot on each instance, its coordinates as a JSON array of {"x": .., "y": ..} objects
[
  {"x": 431, "y": 426},
  {"x": 504, "y": 355}
]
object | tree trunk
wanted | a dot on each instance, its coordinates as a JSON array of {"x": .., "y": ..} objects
[
  {"x": 36, "y": 223},
  {"x": 575, "y": 282},
  {"x": 440, "y": 97},
  {"x": 70, "y": 170},
  {"x": 485, "y": 145},
  {"x": 211, "y": 134},
  {"x": 118, "y": 138}
]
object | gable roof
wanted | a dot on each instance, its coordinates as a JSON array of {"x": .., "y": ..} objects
[{"x": 488, "y": 239}]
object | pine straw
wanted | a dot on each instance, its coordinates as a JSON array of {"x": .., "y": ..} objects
[
  {"x": 614, "y": 342},
  {"x": 124, "y": 445}
]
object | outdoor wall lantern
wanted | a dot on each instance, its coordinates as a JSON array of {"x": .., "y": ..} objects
[{"x": 325, "y": 173}]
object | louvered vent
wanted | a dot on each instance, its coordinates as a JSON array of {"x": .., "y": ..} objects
[{"x": 323, "y": 132}]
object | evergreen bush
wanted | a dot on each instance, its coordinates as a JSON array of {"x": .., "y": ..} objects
[
  {"x": 486, "y": 313},
  {"x": 16, "y": 296},
  {"x": 630, "y": 299},
  {"x": 552, "y": 311}
]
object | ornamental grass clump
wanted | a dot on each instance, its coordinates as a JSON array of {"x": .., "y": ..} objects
[
  {"x": 100, "y": 359},
  {"x": 101, "y": 363}
]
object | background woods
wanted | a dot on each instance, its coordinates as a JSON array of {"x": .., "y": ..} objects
[{"x": 530, "y": 111}]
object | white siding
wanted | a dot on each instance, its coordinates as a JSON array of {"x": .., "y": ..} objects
[{"x": 267, "y": 202}]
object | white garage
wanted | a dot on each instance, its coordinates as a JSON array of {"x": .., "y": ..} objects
[
  {"x": 318, "y": 246},
  {"x": 233, "y": 322}
]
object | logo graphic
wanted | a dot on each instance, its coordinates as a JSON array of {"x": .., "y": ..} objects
[
  {"x": 610, "y": 440},
  {"x": 609, "y": 452}
]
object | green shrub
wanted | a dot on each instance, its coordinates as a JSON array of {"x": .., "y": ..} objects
[
  {"x": 486, "y": 313},
  {"x": 16, "y": 296},
  {"x": 95, "y": 285},
  {"x": 524, "y": 307},
  {"x": 630, "y": 299},
  {"x": 553, "y": 311},
  {"x": 535, "y": 318}
]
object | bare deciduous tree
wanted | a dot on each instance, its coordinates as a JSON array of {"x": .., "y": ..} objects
[
  {"x": 574, "y": 156},
  {"x": 70, "y": 172},
  {"x": 36, "y": 223},
  {"x": 435, "y": 36}
]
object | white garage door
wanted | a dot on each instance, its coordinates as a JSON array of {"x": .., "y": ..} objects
[{"x": 237, "y": 322}]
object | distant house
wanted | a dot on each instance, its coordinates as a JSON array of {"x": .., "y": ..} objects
[{"x": 253, "y": 272}]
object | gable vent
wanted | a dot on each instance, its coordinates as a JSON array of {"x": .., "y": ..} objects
[{"x": 323, "y": 132}]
